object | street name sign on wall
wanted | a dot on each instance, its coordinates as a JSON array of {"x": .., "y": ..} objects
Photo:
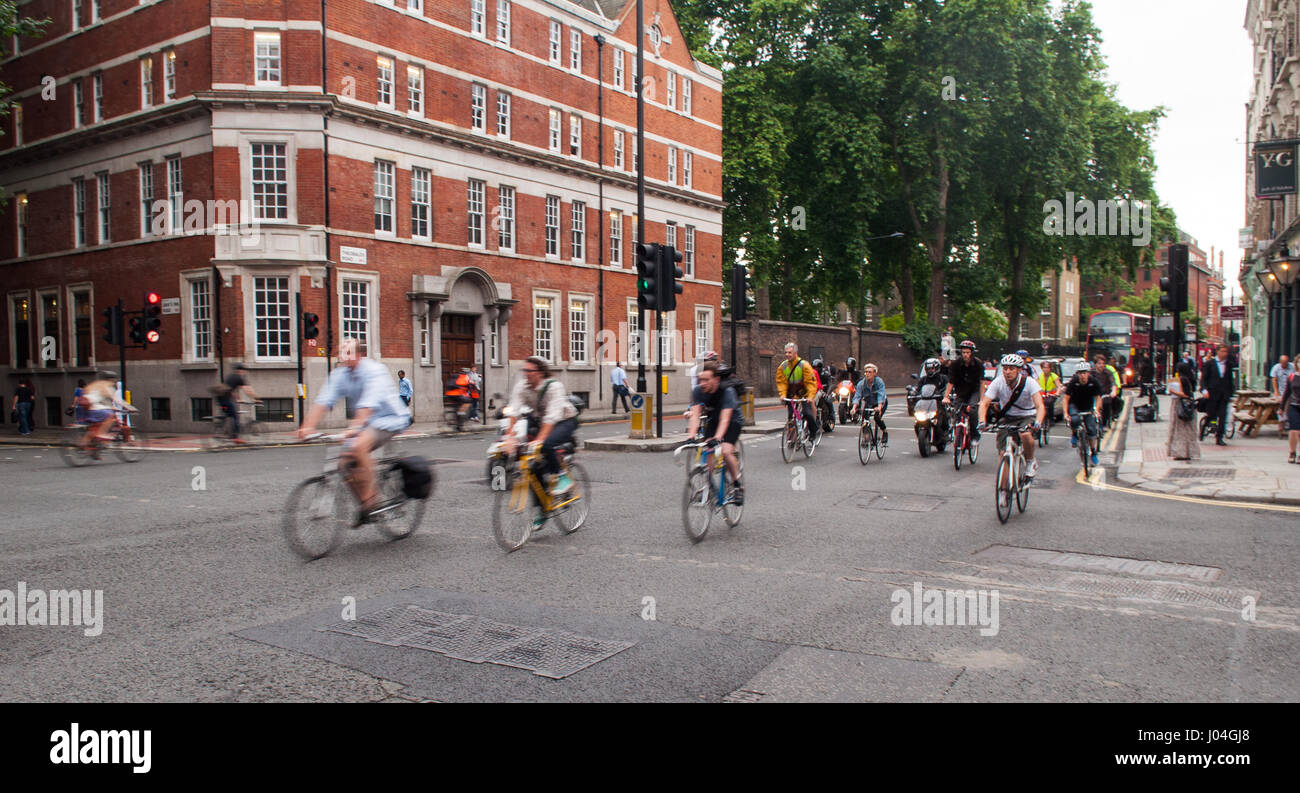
[
  {"x": 171, "y": 305},
  {"x": 349, "y": 255}
]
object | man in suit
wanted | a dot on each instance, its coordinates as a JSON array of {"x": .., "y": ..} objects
[{"x": 1217, "y": 377}]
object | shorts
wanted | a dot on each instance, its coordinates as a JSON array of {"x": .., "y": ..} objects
[
  {"x": 381, "y": 437},
  {"x": 730, "y": 436},
  {"x": 96, "y": 416},
  {"x": 1021, "y": 424}
]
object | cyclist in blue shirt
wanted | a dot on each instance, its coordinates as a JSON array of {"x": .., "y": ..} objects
[{"x": 869, "y": 393}]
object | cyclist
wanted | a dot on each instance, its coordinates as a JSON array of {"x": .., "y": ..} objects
[
  {"x": 1018, "y": 399},
  {"x": 1082, "y": 401},
  {"x": 552, "y": 418},
  {"x": 1030, "y": 368},
  {"x": 796, "y": 379},
  {"x": 695, "y": 370},
  {"x": 869, "y": 394},
  {"x": 377, "y": 415},
  {"x": 966, "y": 377},
  {"x": 100, "y": 405},
  {"x": 236, "y": 389},
  {"x": 719, "y": 407},
  {"x": 1108, "y": 379},
  {"x": 933, "y": 374},
  {"x": 1050, "y": 383},
  {"x": 461, "y": 392}
]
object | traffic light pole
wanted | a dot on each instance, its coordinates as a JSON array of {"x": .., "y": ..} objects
[
  {"x": 297, "y": 301},
  {"x": 640, "y": 179},
  {"x": 121, "y": 349}
]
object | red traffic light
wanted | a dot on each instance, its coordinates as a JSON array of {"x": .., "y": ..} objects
[
  {"x": 152, "y": 298},
  {"x": 152, "y": 336}
]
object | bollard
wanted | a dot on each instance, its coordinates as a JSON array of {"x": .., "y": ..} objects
[
  {"x": 643, "y": 417},
  {"x": 747, "y": 408}
]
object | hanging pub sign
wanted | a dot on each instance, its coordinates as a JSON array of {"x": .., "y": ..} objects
[{"x": 1275, "y": 168}]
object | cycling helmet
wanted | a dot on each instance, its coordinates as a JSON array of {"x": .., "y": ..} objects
[
  {"x": 968, "y": 345},
  {"x": 817, "y": 364},
  {"x": 710, "y": 356},
  {"x": 1083, "y": 367},
  {"x": 1022, "y": 353},
  {"x": 851, "y": 363},
  {"x": 932, "y": 365},
  {"x": 1012, "y": 360}
]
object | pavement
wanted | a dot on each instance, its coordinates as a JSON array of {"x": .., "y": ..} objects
[{"x": 1249, "y": 470}]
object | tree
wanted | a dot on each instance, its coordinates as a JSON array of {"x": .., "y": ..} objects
[
  {"x": 11, "y": 25},
  {"x": 1145, "y": 303}
]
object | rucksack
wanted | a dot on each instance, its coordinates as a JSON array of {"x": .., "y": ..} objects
[
  {"x": 731, "y": 380},
  {"x": 417, "y": 477}
]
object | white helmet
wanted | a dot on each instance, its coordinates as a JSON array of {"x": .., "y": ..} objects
[
  {"x": 1084, "y": 367},
  {"x": 1012, "y": 359}
]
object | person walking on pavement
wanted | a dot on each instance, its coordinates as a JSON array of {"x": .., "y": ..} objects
[
  {"x": 1291, "y": 404},
  {"x": 1217, "y": 389},
  {"x": 24, "y": 402},
  {"x": 1183, "y": 444},
  {"x": 1277, "y": 380},
  {"x": 475, "y": 391},
  {"x": 618, "y": 383},
  {"x": 404, "y": 389}
]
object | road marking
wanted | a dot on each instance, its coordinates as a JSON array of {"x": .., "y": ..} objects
[{"x": 1187, "y": 499}]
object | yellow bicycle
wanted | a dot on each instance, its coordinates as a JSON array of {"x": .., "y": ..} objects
[{"x": 525, "y": 504}]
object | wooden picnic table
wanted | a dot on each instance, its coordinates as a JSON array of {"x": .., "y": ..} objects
[
  {"x": 1259, "y": 411},
  {"x": 1243, "y": 397}
]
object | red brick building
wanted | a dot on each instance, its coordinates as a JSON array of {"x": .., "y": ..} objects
[{"x": 450, "y": 180}]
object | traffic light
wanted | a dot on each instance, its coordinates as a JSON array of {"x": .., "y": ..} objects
[
  {"x": 113, "y": 325},
  {"x": 137, "y": 329},
  {"x": 647, "y": 275},
  {"x": 309, "y": 325},
  {"x": 669, "y": 272},
  {"x": 152, "y": 319},
  {"x": 739, "y": 292},
  {"x": 1174, "y": 285}
]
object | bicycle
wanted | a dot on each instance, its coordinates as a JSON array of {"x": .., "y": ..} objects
[
  {"x": 709, "y": 489},
  {"x": 796, "y": 435},
  {"x": 526, "y": 503},
  {"x": 76, "y": 455},
  {"x": 962, "y": 443},
  {"x": 223, "y": 426},
  {"x": 1210, "y": 425},
  {"x": 1049, "y": 402},
  {"x": 321, "y": 507},
  {"x": 1079, "y": 429},
  {"x": 869, "y": 440},
  {"x": 1011, "y": 469}
]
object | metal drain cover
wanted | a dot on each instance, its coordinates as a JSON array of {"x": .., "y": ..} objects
[
  {"x": 1201, "y": 473},
  {"x": 1107, "y": 564},
  {"x": 900, "y": 503}
]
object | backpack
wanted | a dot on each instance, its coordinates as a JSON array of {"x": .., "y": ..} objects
[
  {"x": 417, "y": 477},
  {"x": 731, "y": 380}
]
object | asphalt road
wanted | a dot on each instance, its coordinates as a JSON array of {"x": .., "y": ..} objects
[{"x": 203, "y": 600}]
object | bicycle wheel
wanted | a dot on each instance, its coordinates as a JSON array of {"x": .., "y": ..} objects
[
  {"x": 789, "y": 441},
  {"x": 973, "y": 452},
  {"x": 878, "y": 442},
  {"x": 731, "y": 512},
  {"x": 740, "y": 455},
  {"x": 1003, "y": 495},
  {"x": 71, "y": 450},
  {"x": 1205, "y": 427},
  {"x": 315, "y": 514},
  {"x": 865, "y": 441},
  {"x": 958, "y": 441},
  {"x": 402, "y": 519},
  {"x": 572, "y": 510},
  {"x": 1043, "y": 432},
  {"x": 1231, "y": 432},
  {"x": 128, "y": 452},
  {"x": 219, "y": 435},
  {"x": 1022, "y": 494},
  {"x": 809, "y": 445},
  {"x": 515, "y": 514},
  {"x": 697, "y": 504}
]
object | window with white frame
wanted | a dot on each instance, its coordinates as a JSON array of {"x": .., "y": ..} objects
[
  {"x": 94, "y": 11},
  {"x": 478, "y": 107},
  {"x": 703, "y": 330},
  {"x": 384, "y": 70},
  {"x": 48, "y": 303},
  {"x": 578, "y": 232},
  {"x": 634, "y": 349},
  {"x": 476, "y": 198},
  {"x": 544, "y": 327},
  {"x": 670, "y": 233},
  {"x": 20, "y": 235},
  {"x": 672, "y": 90},
  {"x": 354, "y": 308},
  {"x": 552, "y": 226},
  {"x": 688, "y": 165},
  {"x": 169, "y": 75},
  {"x": 384, "y": 192},
  {"x": 477, "y": 17},
  {"x": 688, "y": 255},
  {"x": 575, "y": 135},
  {"x": 78, "y": 104},
  {"x": 146, "y": 81},
  {"x": 672, "y": 165},
  {"x": 146, "y": 198},
  {"x": 415, "y": 6},
  {"x": 554, "y": 140},
  {"x": 579, "y": 329},
  {"x": 421, "y": 182},
  {"x": 76, "y": 15},
  {"x": 556, "y": 42},
  {"x": 415, "y": 90},
  {"x": 506, "y": 218},
  {"x": 634, "y": 229},
  {"x": 424, "y": 339},
  {"x": 503, "y": 114},
  {"x": 266, "y": 58},
  {"x": 494, "y": 342},
  {"x": 79, "y": 212},
  {"x": 98, "y": 95},
  {"x": 270, "y": 171},
  {"x": 686, "y": 95},
  {"x": 665, "y": 348},
  {"x": 175, "y": 199},
  {"x": 272, "y": 318},
  {"x": 201, "y": 318},
  {"x": 575, "y": 49},
  {"x": 83, "y": 347},
  {"x": 615, "y": 238},
  {"x": 620, "y": 69},
  {"x": 503, "y": 21},
  {"x": 102, "y": 200},
  {"x": 619, "y": 158}
]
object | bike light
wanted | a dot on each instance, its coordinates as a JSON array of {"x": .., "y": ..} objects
[{"x": 844, "y": 392}]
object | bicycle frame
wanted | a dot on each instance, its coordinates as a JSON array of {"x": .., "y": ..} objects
[{"x": 531, "y": 482}]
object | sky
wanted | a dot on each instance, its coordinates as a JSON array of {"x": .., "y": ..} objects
[{"x": 1193, "y": 57}]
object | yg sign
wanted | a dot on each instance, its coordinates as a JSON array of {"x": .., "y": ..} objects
[{"x": 1275, "y": 169}]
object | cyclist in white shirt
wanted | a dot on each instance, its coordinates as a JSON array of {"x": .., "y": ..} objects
[{"x": 1020, "y": 406}]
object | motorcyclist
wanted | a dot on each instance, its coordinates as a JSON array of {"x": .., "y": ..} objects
[
  {"x": 933, "y": 374},
  {"x": 966, "y": 377},
  {"x": 851, "y": 372}
]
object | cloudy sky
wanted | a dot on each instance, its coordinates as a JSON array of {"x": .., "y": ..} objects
[{"x": 1193, "y": 57}]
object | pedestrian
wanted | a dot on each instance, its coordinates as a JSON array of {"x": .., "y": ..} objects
[
  {"x": 24, "y": 401},
  {"x": 1291, "y": 409},
  {"x": 1277, "y": 380},
  {"x": 1183, "y": 444},
  {"x": 1217, "y": 389},
  {"x": 475, "y": 390},
  {"x": 618, "y": 381},
  {"x": 403, "y": 388}
]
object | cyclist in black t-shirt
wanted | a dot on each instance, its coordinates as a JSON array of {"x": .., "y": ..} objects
[
  {"x": 719, "y": 405},
  {"x": 966, "y": 380},
  {"x": 1083, "y": 400}
]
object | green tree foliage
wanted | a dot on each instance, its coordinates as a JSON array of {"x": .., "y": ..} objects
[{"x": 1145, "y": 303}]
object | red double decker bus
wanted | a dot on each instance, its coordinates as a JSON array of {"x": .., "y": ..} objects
[{"x": 1121, "y": 335}]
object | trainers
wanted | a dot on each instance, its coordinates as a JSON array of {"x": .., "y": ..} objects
[
  {"x": 738, "y": 495},
  {"x": 1074, "y": 442},
  {"x": 561, "y": 485},
  {"x": 1032, "y": 470},
  {"x": 1094, "y": 458},
  {"x": 884, "y": 439}
]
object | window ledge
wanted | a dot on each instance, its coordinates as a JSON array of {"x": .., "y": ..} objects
[
  {"x": 580, "y": 367},
  {"x": 198, "y": 366}
]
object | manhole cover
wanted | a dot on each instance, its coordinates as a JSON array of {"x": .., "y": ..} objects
[
  {"x": 1087, "y": 561},
  {"x": 556, "y": 655},
  {"x": 900, "y": 503},
  {"x": 1201, "y": 473}
]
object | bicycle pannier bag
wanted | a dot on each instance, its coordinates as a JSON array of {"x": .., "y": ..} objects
[{"x": 417, "y": 477}]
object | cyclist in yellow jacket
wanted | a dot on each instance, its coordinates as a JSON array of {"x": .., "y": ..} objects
[{"x": 796, "y": 379}]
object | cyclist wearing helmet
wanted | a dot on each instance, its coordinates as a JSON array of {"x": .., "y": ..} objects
[
  {"x": 1083, "y": 400},
  {"x": 869, "y": 394},
  {"x": 1019, "y": 407},
  {"x": 695, "y": 370},
  {"x": 966, "y": 378},
  {"x": 933, "y": 374},
  {"x": 1030, "y": 369}
]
